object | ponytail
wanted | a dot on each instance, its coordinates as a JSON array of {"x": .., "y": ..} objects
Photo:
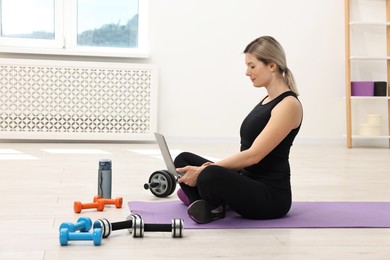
[{"x": 290, "y": 81}]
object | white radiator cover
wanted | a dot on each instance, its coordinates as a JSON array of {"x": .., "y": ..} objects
[{"x": 63, "y": 100}]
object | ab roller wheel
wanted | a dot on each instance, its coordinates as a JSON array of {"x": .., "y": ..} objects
[{"x": 161, "y": 184}]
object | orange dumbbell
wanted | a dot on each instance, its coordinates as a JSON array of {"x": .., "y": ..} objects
[
  {"x": 78, "y": 206},
  {"x": 117, "y": 201}
]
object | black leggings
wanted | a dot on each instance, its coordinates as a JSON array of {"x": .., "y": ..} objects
[{"x": 220, "y": 186}]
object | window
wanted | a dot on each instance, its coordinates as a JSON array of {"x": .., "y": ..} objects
[
  {"x": 74, "y": 27},
  {"x": 117, "y": 28},
  {"x": 27, "y": 24}
]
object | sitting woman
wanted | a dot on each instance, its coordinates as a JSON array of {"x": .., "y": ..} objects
[{"x": 254, "y": 182}]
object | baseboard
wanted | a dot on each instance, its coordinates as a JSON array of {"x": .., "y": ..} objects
[{"x": 236, "y": 140}]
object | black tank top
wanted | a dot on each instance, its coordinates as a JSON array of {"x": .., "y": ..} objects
[{"x": 274, "y": 168}]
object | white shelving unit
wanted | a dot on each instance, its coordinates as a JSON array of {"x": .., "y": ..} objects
[{"x": 367, "y": 62}]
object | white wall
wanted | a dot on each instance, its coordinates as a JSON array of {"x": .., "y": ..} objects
[
  {"x": 203, "y": 90},
  {"x": 198, "y": 46}
]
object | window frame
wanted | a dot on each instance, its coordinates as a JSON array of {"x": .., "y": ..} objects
[{"x": 65, "y": 42}]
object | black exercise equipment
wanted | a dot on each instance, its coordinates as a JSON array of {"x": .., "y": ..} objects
[
  {"x": 161, "y": 183},
  {"x": 136, "y": 226},
  {"x": 107, "y": 226}
]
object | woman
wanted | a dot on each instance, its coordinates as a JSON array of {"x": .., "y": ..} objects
[{"x": 254, "y": 182}]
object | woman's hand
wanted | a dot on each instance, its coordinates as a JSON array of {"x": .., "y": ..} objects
[{"x": 191, "y": 174}]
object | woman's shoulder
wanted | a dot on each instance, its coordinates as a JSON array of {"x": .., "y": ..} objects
[
  {"x": 289, "y": 108},
  {"x": 290, "y": 98},
  {"x": 290, "y": 102}
]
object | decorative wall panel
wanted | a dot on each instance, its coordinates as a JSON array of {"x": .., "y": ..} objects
[{"x": 77, "y": 100}]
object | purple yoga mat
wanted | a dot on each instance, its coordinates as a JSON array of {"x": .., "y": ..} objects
[{"x": 301, "y": 215}]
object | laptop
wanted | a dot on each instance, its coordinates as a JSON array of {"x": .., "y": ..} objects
[{"x": 162, "y": 144}]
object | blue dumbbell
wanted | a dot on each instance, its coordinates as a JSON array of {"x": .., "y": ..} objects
[
  {"x": 65, "y": 236},
  {"x": 83, "y": 224}
]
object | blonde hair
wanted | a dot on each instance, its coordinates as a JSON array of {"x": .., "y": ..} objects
[{"x": 268, "y": 50}]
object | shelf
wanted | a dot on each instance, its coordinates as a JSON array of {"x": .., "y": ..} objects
[
  {"x": 370, "y": 137},
  {"x": 369, "y": 58},
  {"x": 369, "y": 23},
  {"x": 371, "y": 62},
  {"x": 370, "y": 97}
]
